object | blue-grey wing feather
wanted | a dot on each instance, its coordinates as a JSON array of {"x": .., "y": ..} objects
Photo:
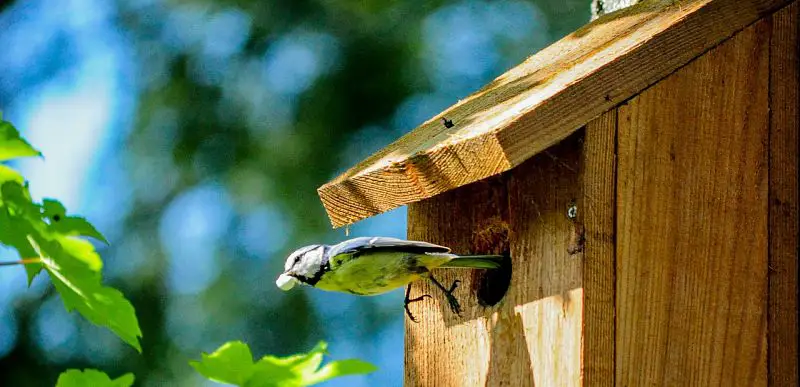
[{"x": 362, "y": 244}]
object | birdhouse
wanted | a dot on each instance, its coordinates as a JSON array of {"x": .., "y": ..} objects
[{"x": 641, "y": 174}]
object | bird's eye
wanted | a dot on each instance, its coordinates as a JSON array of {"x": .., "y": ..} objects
[{"x": 296, "y": 259}]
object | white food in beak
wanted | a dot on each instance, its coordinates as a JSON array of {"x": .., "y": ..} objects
[{"x": 285, "y": 282}]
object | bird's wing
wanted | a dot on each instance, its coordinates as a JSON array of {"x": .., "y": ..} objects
[{"x": 362, "y": 244}]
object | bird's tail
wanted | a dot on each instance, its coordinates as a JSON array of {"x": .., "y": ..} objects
[{"x": 475, "y": 262}]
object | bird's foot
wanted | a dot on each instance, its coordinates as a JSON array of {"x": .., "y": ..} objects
[
  {"x": 451, "y": 299},
  {"x": 448, "y": 293},
  {"x": 408, "y": 301}
]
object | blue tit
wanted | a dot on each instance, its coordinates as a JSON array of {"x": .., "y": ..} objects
[{"x": 373, "y": 265}]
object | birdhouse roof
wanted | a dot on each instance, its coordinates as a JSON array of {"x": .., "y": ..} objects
[{"x": 539, "y": 102}]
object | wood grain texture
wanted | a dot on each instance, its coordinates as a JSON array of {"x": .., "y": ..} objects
[
  {"x": 539, "y": 102},
  {"x": 549, "y": 301},
  {"x": 443, "y": 349},
  {"x": 596, "y": 212},
  {"x": 692, "y": 222},
  {"x": 783, "y": 196},
  {"x": 533, "y": 336}
]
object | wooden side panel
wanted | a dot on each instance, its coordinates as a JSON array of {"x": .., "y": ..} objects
[
  {"x": 596, "y": 212},
  {"x": 783, "y": 192},
  {"x": 533, "y": 337},
  {"x": 692, "y": 222}
]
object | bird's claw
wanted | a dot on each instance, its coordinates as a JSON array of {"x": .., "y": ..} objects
[
  {"x": 455, "y": 307},
  {"x": 408, "y": 301},
  {"x": 454, "y": 286}
]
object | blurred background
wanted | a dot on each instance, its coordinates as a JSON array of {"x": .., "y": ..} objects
[{"x": 194, "y": 134}]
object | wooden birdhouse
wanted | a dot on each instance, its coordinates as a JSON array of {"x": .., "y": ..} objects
[{"x": 641, "y": 173}]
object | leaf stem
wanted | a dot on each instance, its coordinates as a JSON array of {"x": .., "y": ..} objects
[{"x": 26, "y": 261}]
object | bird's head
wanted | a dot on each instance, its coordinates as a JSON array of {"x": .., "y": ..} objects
[{"x": 305, "y": 265}]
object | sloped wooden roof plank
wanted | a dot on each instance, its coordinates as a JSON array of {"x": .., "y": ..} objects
[{"x": 539, "y": 102}]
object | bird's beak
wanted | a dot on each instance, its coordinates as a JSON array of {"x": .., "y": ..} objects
[{"x": 285, "y": 282}]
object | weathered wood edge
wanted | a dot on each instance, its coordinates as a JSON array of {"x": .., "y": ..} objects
[
  {"x": 667, "y": 35},
  {"x": 783, "y": 198}
]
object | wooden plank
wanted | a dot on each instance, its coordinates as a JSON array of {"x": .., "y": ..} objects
[
  {"x": 596, "y": 215},
  {"x": 692, "y": 222},
  {"x": 539, "y": 102},
  {"x": 549, "y": 301},
  {"x": 533, "y": 336},
  {"x": 443, "y": 349},
  {"x": 783, "y": 196}
]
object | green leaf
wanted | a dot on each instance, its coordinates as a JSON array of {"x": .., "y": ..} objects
[
  {"x": 24, "y": 218},
  {"x": 94, "y": 378},
  {"x": 53, "y": 208},
  {"x": 77, "y": 226},
  {"x": 339, "y": 368},
  {"x": 16, "y": 197},
  {"x": 13, "y": 232},
  {"x": 45, "y": 231},
  {"x": 300, "y": 364},
  {"x": 305, "y": 365},
  {"x": 60, "y": 223},
  {"x": 75, "y": 272},
  {"x": 10, "y": 174},
  {"x": 232, "y": 363},
  {"x": 82, "y": 250},
  {"x": 12, "y": 145},
  {"x": 267, "y": 373}
]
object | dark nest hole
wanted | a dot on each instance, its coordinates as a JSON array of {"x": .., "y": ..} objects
[
  {"x": 494, "y": 284},
  {"x": 492, "y": 238}
]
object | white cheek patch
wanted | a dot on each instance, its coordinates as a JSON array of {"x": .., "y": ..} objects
[
  {"x": 290, "y": 261},
  {"x": 310, "y": 264},
  {"x": 285, "y": 282}
]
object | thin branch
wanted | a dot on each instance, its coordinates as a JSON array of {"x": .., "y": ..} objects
[{"x": 26, "y": 261}]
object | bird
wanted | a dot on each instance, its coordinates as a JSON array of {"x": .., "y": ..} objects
[{"x": 367, "y": 266}]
